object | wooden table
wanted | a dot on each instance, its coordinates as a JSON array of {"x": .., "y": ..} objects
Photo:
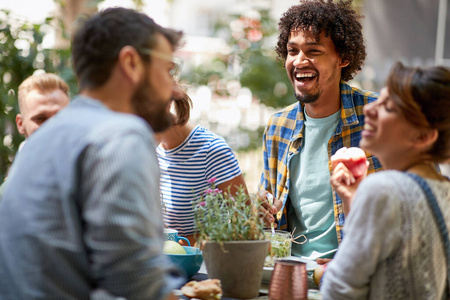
[{"x": 313, "y": 292}]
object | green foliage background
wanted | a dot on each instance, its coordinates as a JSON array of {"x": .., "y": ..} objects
[
  {"x": 260, "y": 70},
  {"x": 21, "y": 54},
  {"x": 252, "y": 62}
]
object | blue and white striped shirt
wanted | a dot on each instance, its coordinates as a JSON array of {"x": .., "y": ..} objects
[{"x": 185, "y": 171}]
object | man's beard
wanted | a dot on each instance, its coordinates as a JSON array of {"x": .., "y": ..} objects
[
  {"x": 154, "y": 112},
  {"x": 307, "y": 98}
]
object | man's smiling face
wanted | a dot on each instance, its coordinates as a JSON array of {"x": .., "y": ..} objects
[{"x": 313, "y": 67}]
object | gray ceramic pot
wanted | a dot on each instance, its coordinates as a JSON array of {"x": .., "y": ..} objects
[{"x": 238, "y": 265}]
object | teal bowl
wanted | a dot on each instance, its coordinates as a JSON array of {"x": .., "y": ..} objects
[{"x": 190, "y": 262}]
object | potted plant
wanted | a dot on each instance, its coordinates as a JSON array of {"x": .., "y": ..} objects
[{"x": 232, "y": 239}]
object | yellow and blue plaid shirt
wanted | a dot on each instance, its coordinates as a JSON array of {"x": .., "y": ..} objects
[{"x": 283, "y": 139}]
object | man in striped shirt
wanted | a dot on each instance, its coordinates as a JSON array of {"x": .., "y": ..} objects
[{"x": 322, "y": 46}]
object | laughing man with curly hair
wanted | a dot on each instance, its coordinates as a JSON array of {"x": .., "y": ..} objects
[{"x": 322, "y": 46}]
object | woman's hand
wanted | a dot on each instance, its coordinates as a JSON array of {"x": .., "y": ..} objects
[
  {"x": 349, "y": 169},
  {"x": 344, "y": 183}
]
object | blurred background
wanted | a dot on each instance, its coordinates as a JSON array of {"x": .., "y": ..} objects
[{"x": 230, "y": 68}]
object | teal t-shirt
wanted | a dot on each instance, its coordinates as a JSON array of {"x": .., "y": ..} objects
[{"x": 311, "y": 208}]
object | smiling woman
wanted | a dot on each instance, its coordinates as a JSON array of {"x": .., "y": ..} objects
[{"x": 396, "y": 241}]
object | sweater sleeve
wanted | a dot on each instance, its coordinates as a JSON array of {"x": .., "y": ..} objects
[{"x": 372, "y": 233}]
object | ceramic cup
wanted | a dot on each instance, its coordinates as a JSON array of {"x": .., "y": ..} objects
[{"x": 172, "y": 235}]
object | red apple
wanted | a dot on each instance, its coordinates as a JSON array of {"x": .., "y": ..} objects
[{"x": 353, "y": 158}]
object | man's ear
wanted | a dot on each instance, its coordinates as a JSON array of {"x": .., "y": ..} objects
[
  {"x": 19, "y": 123},
  {"x": 344, "y": 63},
  {"x": 131, "y": 64}
]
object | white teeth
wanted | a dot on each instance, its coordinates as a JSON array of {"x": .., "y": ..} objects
[
  {"x": 368, "y": 127},
  {"x": 304, "y": 75}
]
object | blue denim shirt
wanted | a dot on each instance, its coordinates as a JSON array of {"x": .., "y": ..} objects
[{"x": 81, "y": 210}]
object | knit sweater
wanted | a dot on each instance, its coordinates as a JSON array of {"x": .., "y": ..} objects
[{"x": 392, "y": 247}]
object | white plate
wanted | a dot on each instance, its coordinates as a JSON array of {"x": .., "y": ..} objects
[
  {"x": 310, "y": 266},
  {"x": 267, "y": 273}
]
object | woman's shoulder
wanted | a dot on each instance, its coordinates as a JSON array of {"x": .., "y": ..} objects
[
  {"x": 397, "y": 185},
  {"x": 397, "y": 179},
  {"x": 209, "y": 138},
  {"x": 385, "y": 178},
  {"x": 387, "y": 185}
]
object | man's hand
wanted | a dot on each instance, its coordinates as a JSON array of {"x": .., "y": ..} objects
[
  {"x": 267, "y": 210},
  {"x": 323, "y": 261}
]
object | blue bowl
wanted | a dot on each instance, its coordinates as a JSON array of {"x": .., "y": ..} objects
[{"x": 190, "y": 262}]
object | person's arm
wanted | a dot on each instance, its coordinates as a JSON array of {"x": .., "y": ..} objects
[
  {"x": 267, "y": 208},
  {"x": 222, "y": 165},
  {"x": 234, "y": 185},
  {"x": 349, "y": 166},
  {"x": 122, "y": 216},
  {"x": 265, "y": 176},
  {"x": 372, "y": 232}
]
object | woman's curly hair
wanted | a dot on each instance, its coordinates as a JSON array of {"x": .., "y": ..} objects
[{"x": 337, "y": 19}]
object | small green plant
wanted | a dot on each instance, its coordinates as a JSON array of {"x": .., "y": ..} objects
[{"x": 221, "y": 217}]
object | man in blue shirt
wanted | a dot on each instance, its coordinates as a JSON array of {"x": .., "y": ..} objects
[{"x": 81, "y": 214}]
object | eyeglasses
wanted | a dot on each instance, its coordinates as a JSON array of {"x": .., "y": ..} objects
[{"x": 175, "y": 71}]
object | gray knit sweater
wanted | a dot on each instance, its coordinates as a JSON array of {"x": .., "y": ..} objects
[{"x": 392, "y": 247}]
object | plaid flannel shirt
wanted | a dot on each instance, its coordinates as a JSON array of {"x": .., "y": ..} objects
[{"x": 283, "y": 139}]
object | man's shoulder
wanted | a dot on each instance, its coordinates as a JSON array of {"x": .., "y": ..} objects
[
  {"x": 287, "y": 114},
  {"x": 284, "y": 122},
  {"x": 358, "y": 95},
  {"x": 372, "y": 96},
  {"x": 92, "y": 115},
  {"x": 87, "y": 123}
]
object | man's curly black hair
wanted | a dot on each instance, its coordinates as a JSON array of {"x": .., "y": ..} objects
[{"x": 337, "y": 19}]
